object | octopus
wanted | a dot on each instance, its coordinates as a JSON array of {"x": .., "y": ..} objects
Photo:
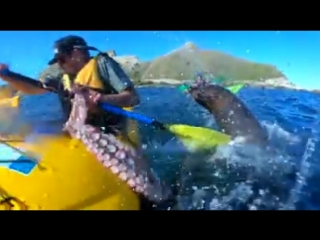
[{"x": 118, "y": 156}]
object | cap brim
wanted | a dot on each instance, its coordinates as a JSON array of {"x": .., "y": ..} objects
[{"x": 52, "y": 61}]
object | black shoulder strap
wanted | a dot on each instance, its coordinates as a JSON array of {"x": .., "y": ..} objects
[
  {"x": 105, "y": 63},
  {"x": 103, "y": 71}
]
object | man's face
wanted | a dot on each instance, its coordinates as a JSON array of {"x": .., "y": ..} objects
[{"x": 68, "y": 62}]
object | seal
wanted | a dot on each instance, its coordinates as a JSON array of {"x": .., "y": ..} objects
[
  {"x": 259, "y": 186},
  {"x": 231, "y": 114}
]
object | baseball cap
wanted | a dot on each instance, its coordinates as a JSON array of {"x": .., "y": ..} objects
[{"x": 65, "y": 45}]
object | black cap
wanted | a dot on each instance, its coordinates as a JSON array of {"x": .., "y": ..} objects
[{"x": 65, "y": 45}]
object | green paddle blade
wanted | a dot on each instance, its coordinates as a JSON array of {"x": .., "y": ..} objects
[
  {"x": 235, "y": 88},
  {"x": 183, "y": 88},
  {"x": 198, "y": 138}
]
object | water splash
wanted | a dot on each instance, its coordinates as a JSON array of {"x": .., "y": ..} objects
[{"x": 302, "y": 175}]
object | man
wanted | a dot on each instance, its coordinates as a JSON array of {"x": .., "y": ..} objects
[{"x": 101, "y": 73}]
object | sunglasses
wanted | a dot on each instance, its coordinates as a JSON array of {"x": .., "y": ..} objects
[{"x": 61, "y": 58}]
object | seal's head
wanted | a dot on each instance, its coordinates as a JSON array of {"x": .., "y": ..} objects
[{"x": 206, "y": 95}]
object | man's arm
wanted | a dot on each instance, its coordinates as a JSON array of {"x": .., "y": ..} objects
[
  {"x": 28, "y": 85},
  {"x": 127, "y": 98},
  {"x": 112, "y": 72},
  {"x": 22, "y": 86}
]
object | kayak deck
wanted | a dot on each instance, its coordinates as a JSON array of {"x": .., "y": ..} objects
[
  {"x": 57, "y": 173},
  {"x": 10, "y": 102}
]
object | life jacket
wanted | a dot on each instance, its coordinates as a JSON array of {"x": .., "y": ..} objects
[{"x": 90, "y": 76}]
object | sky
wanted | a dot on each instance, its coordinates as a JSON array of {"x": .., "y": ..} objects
[{"x": 295, "y": 53}]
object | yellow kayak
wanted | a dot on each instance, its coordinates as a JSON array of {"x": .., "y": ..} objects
[
  {"x": 10, "y": 102},
  {"x": 63, "y": 176},
  {"x": 9, "y": 108},
  {"x": 58, "y": 173}
]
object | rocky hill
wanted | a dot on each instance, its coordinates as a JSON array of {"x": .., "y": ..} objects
[{"x": 183, "y": 63}]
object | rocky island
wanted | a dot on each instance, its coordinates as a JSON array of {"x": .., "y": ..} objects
[
  {"x": 183, "y": 63},
  {"x": 180, "y": 65}
]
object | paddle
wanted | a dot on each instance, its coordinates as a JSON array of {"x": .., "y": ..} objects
[
  {"x": 194, "y": 138},
  {"x": 218, "y": 80},
  {"x": 234, "y": 89}
]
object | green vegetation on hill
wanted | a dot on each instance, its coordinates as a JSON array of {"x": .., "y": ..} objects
[{"x": 183, "y": 64}]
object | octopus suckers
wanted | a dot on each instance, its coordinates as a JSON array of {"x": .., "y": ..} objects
[{"x": 119, "y": 157}]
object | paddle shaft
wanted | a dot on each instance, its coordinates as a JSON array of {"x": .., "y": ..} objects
[
  {"x": 132, "y": 115},
  {"x": 109, "y": 108},
  {"x": 185, "y": 87},
  {"x": 23, "y": 78}
]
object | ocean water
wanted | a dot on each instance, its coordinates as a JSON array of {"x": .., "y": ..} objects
[{"x": 283, "y": 176}]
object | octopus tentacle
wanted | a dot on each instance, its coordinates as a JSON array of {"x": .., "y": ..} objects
[{"x": 121, "y": 158}]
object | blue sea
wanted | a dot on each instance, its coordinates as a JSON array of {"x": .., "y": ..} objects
[{"x": 290, "y": 117}]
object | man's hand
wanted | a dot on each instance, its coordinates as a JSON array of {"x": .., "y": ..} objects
[
  {"x": 3, "y": 67},
  {"x": 92, "y": 97},
  {"x": 49, "y": 83}
]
